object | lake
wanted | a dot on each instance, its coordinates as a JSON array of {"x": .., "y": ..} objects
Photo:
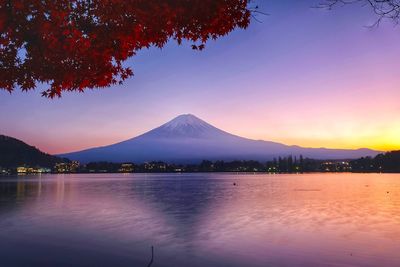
[{"x": 200, "y": 220}]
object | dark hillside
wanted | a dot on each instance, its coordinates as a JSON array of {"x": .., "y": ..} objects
[{"x": 14, "y": 152}]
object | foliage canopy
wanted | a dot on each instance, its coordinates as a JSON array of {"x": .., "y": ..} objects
[{"x": 80, "y": 44}]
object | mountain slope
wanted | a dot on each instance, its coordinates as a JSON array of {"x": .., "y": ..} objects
[
  {"x": 14, "y": 153},
  {"x": 189, "y": 139}
]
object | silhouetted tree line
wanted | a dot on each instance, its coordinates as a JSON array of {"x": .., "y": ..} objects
[
  {"x": 103, "y": 166},
  {"x": 288, "y": 164},
  {"x": 387, "y": 162}
]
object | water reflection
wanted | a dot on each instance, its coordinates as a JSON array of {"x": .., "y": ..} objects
[{"x": 200, "y": 220}]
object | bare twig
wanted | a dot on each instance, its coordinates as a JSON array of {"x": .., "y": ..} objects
[
  {"x": 254, "y": 10},
  {"x": 384, "y": 9},
  {"x": 152, "y": 257}
]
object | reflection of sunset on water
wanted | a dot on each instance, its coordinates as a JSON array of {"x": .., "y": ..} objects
[{"x": 309, "y": 219}]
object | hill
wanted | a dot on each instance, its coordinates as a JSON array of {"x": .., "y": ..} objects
[{"x": 14, "y": 153}]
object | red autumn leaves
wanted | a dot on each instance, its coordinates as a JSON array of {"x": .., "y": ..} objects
[{"x": 76, "y": 45}]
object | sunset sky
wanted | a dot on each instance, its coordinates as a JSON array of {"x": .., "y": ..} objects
[{"x": 303, "y": 76}]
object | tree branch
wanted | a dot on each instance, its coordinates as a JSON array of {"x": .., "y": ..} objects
[{"x": 384, "y": 9}]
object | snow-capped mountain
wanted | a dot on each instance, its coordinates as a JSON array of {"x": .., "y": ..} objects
[
  {"x": 186, "y": 126},
  {"x": 187, "y": 138}
]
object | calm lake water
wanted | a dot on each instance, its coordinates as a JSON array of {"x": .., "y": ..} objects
[{"x": 200, "y": 220}]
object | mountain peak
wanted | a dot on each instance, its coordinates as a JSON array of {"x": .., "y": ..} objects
[
  {"x": 185, "y": 125},
  {"x": 186, "y": 119}
]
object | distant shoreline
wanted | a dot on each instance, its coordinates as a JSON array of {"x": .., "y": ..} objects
[
  {"x": 382, "y": 163},
  {"x": 178, "y": 173}
]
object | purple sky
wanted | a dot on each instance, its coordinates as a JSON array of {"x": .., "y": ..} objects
[{"x": 304, "y": 76}]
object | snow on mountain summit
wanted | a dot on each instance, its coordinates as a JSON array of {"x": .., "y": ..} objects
[
  {"x": 185, "y": 119},
  {"x": 186, "y": 125}
]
